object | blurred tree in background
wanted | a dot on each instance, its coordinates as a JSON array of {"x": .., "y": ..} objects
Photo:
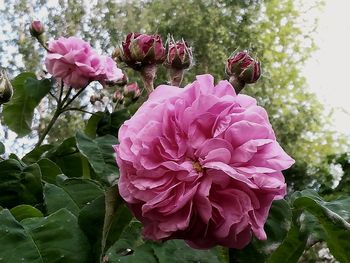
[{"x": 272, "y": 30}]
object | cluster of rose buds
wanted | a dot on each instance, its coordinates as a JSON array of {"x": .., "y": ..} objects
[
  {"x": 6, "y": 90},
  {"x": 242, "y": 69},
  {"x": 143, "y": 53}
]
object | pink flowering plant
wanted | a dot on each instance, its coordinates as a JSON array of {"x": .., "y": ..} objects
[{"x": 167, "y": 173}]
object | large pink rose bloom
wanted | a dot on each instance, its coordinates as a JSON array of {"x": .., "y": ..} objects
[
  {"x": 201, "y": 164},
  {"x": 77, "y": 64}
]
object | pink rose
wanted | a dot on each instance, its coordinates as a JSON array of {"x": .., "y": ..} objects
[
  {"x": 141, "y": 49},
  {"x": 77, "y": 64},
  {"x": 201, "y": 164}
]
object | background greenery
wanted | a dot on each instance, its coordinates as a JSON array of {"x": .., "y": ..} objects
[{"x": 272, "y": 30}]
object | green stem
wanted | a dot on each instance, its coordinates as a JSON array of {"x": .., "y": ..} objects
[
  {"x": 78, "y": 109},
  {"x": 49, "y": 126},
  {"x": 73, "y": 98},
  {"x": 237, "y": 85},
  {"x": 62, "y": 105}
]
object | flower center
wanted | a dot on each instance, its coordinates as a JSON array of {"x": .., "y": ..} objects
[{"x": 197, "y": 167}]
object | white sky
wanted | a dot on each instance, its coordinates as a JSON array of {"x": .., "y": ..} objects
[{"x": 328, "y": 71}]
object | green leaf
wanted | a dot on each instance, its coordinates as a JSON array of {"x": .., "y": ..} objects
[
  {"x": 329, "y": 216},
  {"x": 91, "y": 219},
  {"x": 37, "y": 153},
  {"x": 131, "y": 248},
  {"x": 91, "y": 126},
  {"x": 72, "y": 194},
  {"x": 56, "y": 198},
  {"x": 49, "y": 170},
  {"x": 276, "y": 227},
  {"x": 291, "y": 248},
  {"x": 2, "y": 148},
  {"x": 110, "y": 123},
  {"x": 21, "y": 212},
  {"x": 82, "y": 191},
  {"x": 56, "y": 238},
  {"x": 68, "y": 158},
  {"x": 100, "y": 154},
  {"x": 19, "y": 185},
  {"x": 28, "y": 92}
]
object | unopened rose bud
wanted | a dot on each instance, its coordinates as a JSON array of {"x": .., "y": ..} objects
[
  {"x": 6, "y": 89},
  {"x": 36, "y": 28},
  {"x": 179, "y": 55},
  {"x": 242, "y": 69},
  {"x": 118, "y": 96},
  {"x": 140, "y": 50},
  {"x": 132, "y": 90}
]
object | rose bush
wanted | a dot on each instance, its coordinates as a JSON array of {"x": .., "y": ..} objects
[{"x": 201, "y": 164}]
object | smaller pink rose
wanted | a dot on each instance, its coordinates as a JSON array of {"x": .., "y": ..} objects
[{"x": 77, "y": 64}]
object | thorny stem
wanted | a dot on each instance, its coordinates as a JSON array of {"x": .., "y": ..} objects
[{"x": 73, "y": 98}]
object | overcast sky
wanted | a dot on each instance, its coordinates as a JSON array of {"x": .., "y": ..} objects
[{"x": 328, "y": 71}]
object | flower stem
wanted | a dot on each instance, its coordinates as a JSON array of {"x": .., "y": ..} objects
[
  {"x": 176, "y": 76},
  {"x": 237, "y": 85},
  {"x": 148, "y": 74},
  {"x": 62, "y": 106},
  {"x": 49, "y": 126}
]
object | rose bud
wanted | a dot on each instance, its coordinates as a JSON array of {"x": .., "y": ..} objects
[
  {"x": 242, "y": 69},
  {"x": 36, "y": 28},
  {"x": 179, "y": 55},
  {"x": 117, "y": 96},
  {"x": 132, "y": 90},
  {"x": 6, "y": 89},
  {"x": 140, "y": 50}
]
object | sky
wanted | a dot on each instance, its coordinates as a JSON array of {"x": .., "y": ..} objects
[{"x": 328, "y": 70}]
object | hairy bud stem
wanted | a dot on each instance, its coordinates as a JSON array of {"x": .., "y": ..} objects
[
  {"x": 148, "y": 74},
  {"x": 176, "y": 76}
]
